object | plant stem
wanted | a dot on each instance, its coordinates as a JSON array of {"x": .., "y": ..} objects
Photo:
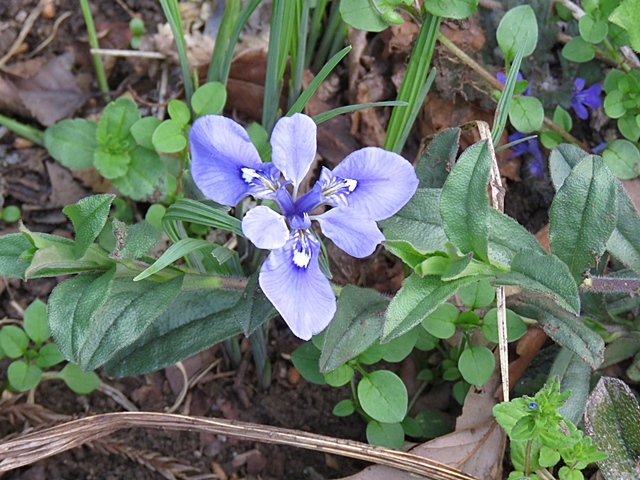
[
  {"x": 273, "y": 81},
  {"x": 223, "y": 41},
  {"x": 32, "y": 134},
  {"x": 493, "y": 81},
  {"x": 527, "y": 457},
  {"x": 93, "y": 42},
  {"x": 610, "y": 284},
  {"x": 416, "y": 395}
]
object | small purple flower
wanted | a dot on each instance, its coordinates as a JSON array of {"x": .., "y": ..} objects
[
  {"x": 598, "y": 148},
  {"x": 531, "y": 147},
  {"x": 503, "y": 80},
  {"x": 370, "y": 184},
  {"x": 589, "y": 97}
]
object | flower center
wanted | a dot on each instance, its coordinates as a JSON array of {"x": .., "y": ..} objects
[
  {"x": 336, "y": 189},
  {"x": 263, "y": 182},
  {"x": 301, "y": 249}
]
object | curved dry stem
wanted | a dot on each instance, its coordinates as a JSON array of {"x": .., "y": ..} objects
[{"x": 32, "y": 447}]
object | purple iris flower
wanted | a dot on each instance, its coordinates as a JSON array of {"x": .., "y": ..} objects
[
  {"x": 531, "y": 147},
  {"x": 581, "y": 97},
  {"x": 503, "y": 80},
  {"x": 369, "y": 185}
]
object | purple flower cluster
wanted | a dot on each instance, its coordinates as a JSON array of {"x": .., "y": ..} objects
[
  {"x": 581, "y": 98},
  {"x": 531, "y": 147},
  {"x": 369, "y": 185}
]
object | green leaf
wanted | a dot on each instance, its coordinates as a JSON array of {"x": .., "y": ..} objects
[
  {"x": 583, "y": 216},
  {"x": 383, "y": 396},
  {"x": 526, "y": 114},
  {"x": 22, "y": 376},
  {"x": 438, "y": 158},
  {"x": 629, "y": 128},
  {"x": 441, "y": 323},
  {"x": 72, "y": 142},
  {"x": 614, "y": 105},
  {"x": 561, "y": 162},
  {"x": 356, "y": 324},
  {"x": 549, "y": 139},
  {"x": 48, "y": 356},
  {"x": 168, "y": 137},
  {"x": 123, "y": 317},
  {"x": 565, "y": 329},
  {"x": 418, "y": 222},
  {"x": 516, "y": 328},
  {"x": 111, "y": 164},
  {"x": 390, "y": 435},
  {"x": 476, "y": 364},
  {"x": 82, "y": 383},
  {"x": 626, "y": 16},
  {"x": 142, "y": 131},
  {"x": 548, "y": 457},
  {"x": 35, "y": 322},
  {"x": 464, "y": 202},
  {"x": 545, "y": 274},
  {"x": 196, "y": 320},
  {"x": 344, "y": 408},
  {"x": 334, "y": 112},
  {"x": 56, "y": 260},
  {"x": 13, "y": 341},
  {"x": 623, "y": 159},
  {"x": 145, "y": 176},
  {"x": 133, "y": 241},
  {"x": 578, "y": 50},
  {"x": 340, "y": 376},
  {"x": 562, "y": 118},
  {"x": 254, "y": 309},
  {"x": 88, "y": 217},
  {"x": 173, "y": 253},
  {"x": 12, "y": 246},
  {"x": 209, "y": 99},
  {"x": 306, "y": 359},
  {"x": 591, "y": 30},
  {"x": 518, "y": 27},
  {"x": 400, "y": 347},
  {"x": 114, "y": 128},
  {"x": 574, "y": 375},
  {"x": 457, "y": 9},
  {"x": 624, "y": 243},
  {"x": 203, "y": 213},
  {"x": 418, "y": 297},
  {"x": 477, "y": 295},
  {"x": 179, "y": 112},
  {"x": 507, "y": 237},
  {"x": 360, "y": 14},
  {"x": 612, "y": 420}
]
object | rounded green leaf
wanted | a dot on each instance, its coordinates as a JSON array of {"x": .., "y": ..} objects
[
  {"x": 550, "y": 139},
  {"x": 548, "y": 457},
  {"x": 614, "y": 104},
  {"x": 629, "y": 128},
  {"x": 425, "y": 341},
  {"x": 48, "y": 356},
  {"x": 142, "y": 131},
  {"x": 22, "y": 376},
  {"x": 306, "y": 359},
  {"x": 154, "y": 215},
  {"x": 457, "y": 9},
  {"x": 562, "y": 118},
  {"x": 432, "y": 424},
  {"x": 383, "y": 396},
  {"x": 72, "y": 142},
  {"x": 340, "y": 376},
  {"x": 578, "y": 50},
  {"x": 344, "y": 408},
  {"x": 399, "y": 348},
  {"x": 592, "y": 31},
  {"x": 13, "y": 341},
  {"x": 526, "y": 114},
  {"x": 468, "y": 320},
  {"x": 80, "y": 382},
  {"x": 168, "y": 137},
  {"x": 111, "y": 165},
  {"x": 390, "y": 435},
  {"x": 516, "y": 328},
  {"x": 518, "y": 29},
  {"x": 477, "y": 295},
  {"x": 35, "y": 321},
  {"x": 115, "y": 125},
  {"x": 11, "y": 214},
  {"x": 179, "y": 112},
  {"x": 441, "y": 323},
  {"x": 612, "y": 79},
  {"x": 623, "y": 159},
  {"x": 136, "y": 25},
  {"x": 460, "y": 390},
  {"x": 360, "y": 15},
  {"x": 209, "y": 99},
  {"x": 476, "y": 364}
]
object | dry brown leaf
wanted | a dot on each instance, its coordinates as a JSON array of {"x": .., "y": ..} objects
[{"x": 46, "y": 92}]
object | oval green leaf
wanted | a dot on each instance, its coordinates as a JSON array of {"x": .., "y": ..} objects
[
  {"x": 209, "y": 99},
  {"x": 476, "y": 364},
  {"x": 35, "y": 321},
  {"x": 390, "y": 435},
  {"x": 518, "y": 28},
  {"x": 22, "y": 376},
  {"x": 13, "y": 341},
  {"x": 383, "y": 396},
  {"x": 78, "y": 381},
  {"x": 168, "y": 137}
]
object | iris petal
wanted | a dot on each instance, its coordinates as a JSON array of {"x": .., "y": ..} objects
[
  {"x": 351, "y": 231},
  {"x": 385, "y": 182},
  {"x": 293, "y": 146},
  {"x": 265, "y": 228},
  {"x": 220, "y": 148},
  {"x": 302, "y": 295}
]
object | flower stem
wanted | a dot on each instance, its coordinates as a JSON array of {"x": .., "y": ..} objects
[
  {"x": 93, "y": 42},
  {"x": 32, "y": 134}
]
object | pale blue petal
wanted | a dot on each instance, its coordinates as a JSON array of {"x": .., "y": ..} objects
[
  {"x": 351, "y": 231},
  {"x": 385, "y": 182},
  {"x": 302, "y": 295},
  {"x": 265, "y": 228},
  {"x": 220, "y": 148},
  {"x": 293, "y": 146}
]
